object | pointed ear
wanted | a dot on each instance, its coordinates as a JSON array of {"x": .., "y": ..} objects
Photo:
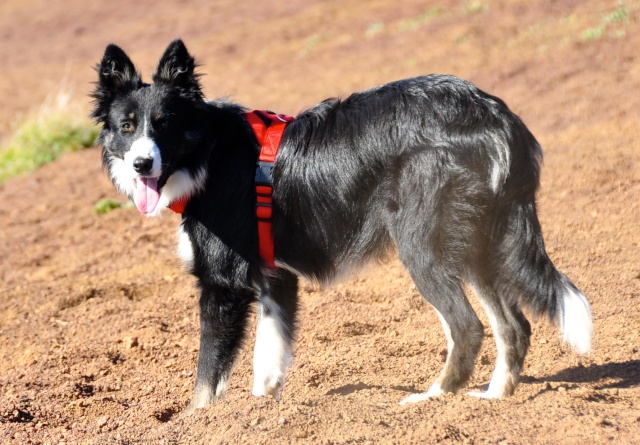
[
  {"x": 116, "y": 71},
  {"x": 116, "y": 74},
  {"x": 177, "y": 68}
]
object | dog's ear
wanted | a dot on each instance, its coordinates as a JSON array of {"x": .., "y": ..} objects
[
  {"x": 116, "y": 74},
  {"x": 177, "y": 68}
]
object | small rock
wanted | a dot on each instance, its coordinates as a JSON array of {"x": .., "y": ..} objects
[
  {"x": 102, "y": 421},
  {"x": 282, "y": 421}
]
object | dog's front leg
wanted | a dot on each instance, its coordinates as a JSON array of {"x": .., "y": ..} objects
[
  {"x": 223, "y": 317},
  {"x": 275, "y": 331}
]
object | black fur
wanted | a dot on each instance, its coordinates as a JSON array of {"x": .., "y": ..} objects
[{"x": 431, "y": 166}]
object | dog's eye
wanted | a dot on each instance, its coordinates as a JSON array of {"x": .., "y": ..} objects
[
  {"x": 127, "y": 127},
  {"x": 159, "y": 122}
]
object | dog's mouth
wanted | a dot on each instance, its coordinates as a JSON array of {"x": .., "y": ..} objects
[{"x": 146, "y": 194}]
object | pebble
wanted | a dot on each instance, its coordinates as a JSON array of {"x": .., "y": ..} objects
[
  {"x": 282, "y": 421},
  {"x": 131, "y": 342}
]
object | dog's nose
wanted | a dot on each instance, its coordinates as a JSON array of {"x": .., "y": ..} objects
[{"x": 142, "y": 165}]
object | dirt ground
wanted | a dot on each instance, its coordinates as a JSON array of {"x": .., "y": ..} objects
[{"x": 99, "y": 325}]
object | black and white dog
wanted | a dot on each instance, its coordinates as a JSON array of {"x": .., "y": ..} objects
[{"x": 431, "y": 166}]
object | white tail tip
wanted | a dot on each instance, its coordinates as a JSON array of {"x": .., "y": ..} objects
[{"x": 576, "y": 323}]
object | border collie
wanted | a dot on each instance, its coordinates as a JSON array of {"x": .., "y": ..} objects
[{"x": 430, "y": 167}]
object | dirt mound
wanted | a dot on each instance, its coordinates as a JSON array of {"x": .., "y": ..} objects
[{"x": 99, "y": 326}]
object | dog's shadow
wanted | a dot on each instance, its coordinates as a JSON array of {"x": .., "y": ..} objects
[
  {"x": 612, "y": 375},
  {"x": 606, "y": 376},
  {"x": 350, "y": 388}
]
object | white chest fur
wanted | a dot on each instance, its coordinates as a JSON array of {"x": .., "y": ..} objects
[{"x": 185, "y": 249}]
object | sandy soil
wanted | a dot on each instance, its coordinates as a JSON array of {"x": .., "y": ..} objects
[{"x": 98, "y": 324}]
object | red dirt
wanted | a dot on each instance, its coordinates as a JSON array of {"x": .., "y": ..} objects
[{"x": 98, "y": 324}]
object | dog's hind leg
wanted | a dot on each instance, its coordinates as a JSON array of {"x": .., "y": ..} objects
[
  {"x": 462, "y": 328},
  {"x": 511, "y": 331},
  {"x": 433, "y": 223},
  {"x": 274, "y": 334},
  {"x": 223, "y": 317}
]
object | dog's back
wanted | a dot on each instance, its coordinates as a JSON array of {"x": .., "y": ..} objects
[{"x": 447, "y": 174}]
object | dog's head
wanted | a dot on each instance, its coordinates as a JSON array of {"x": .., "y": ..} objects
[{"x": 151, "y": 132}]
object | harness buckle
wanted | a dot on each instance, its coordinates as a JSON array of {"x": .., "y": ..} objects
[{"x": 264, "y": 173}]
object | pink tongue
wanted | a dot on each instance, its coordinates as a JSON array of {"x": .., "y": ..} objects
[{"x": 146, "y": 196}]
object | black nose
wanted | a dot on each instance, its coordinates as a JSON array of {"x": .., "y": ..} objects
[{"x": 143, "y": 165}]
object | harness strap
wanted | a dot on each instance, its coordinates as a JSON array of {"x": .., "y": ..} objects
[
  {"x": 268, "y": 128},
  {"x": 179, "y": 204}
]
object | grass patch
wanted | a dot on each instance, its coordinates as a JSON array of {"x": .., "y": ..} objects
[
  {"x": 417, "y": 22},
  {"x": 312, "y": 42},
  {"x": 374, "y": 29},
  {"x": 616, "y": 20},
  {"x": 106, "y": 205},
  {"x": 474, "y": 7},
  {"x": 43, "y": 137}
]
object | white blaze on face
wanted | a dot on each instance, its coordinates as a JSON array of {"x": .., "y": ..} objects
[
  {"x": 146, "y": 194},
  {"x": 143, "y": 189}
]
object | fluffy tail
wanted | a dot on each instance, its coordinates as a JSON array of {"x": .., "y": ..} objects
[
  {"x": 541, "y": 287},
  {"x": 575, "y": 319}
]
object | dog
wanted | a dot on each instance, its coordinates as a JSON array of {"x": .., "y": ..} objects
[{"x": 431, "y": 167}]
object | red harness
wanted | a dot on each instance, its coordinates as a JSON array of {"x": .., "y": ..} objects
[{"x": 268, "y": 128}]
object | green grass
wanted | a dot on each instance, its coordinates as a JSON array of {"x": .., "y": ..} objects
[
  {"x": 106, "y": 205},
  {"x": 312, "y": 42},
  {"x": 43, "y": 137},
  {"x": 374, "y": 29},
  {"x": 474, "y": 7},
  {"x": 420, "y": 20},
  {"x": 616, "y": 19}
]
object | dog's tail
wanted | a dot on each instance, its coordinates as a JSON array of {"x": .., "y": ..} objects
[{"x": 529, "y": 273}]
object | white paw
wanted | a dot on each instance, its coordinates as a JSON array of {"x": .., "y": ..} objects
[
  {"x": 481, "y": 395},
  {"x": 268, "y": 385},
  {"x": 434, "y": 391},
  {"x": 487, "y": 394},
  {"x": 202, "y": 396},
  {"x": 415, "y": 398}
]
